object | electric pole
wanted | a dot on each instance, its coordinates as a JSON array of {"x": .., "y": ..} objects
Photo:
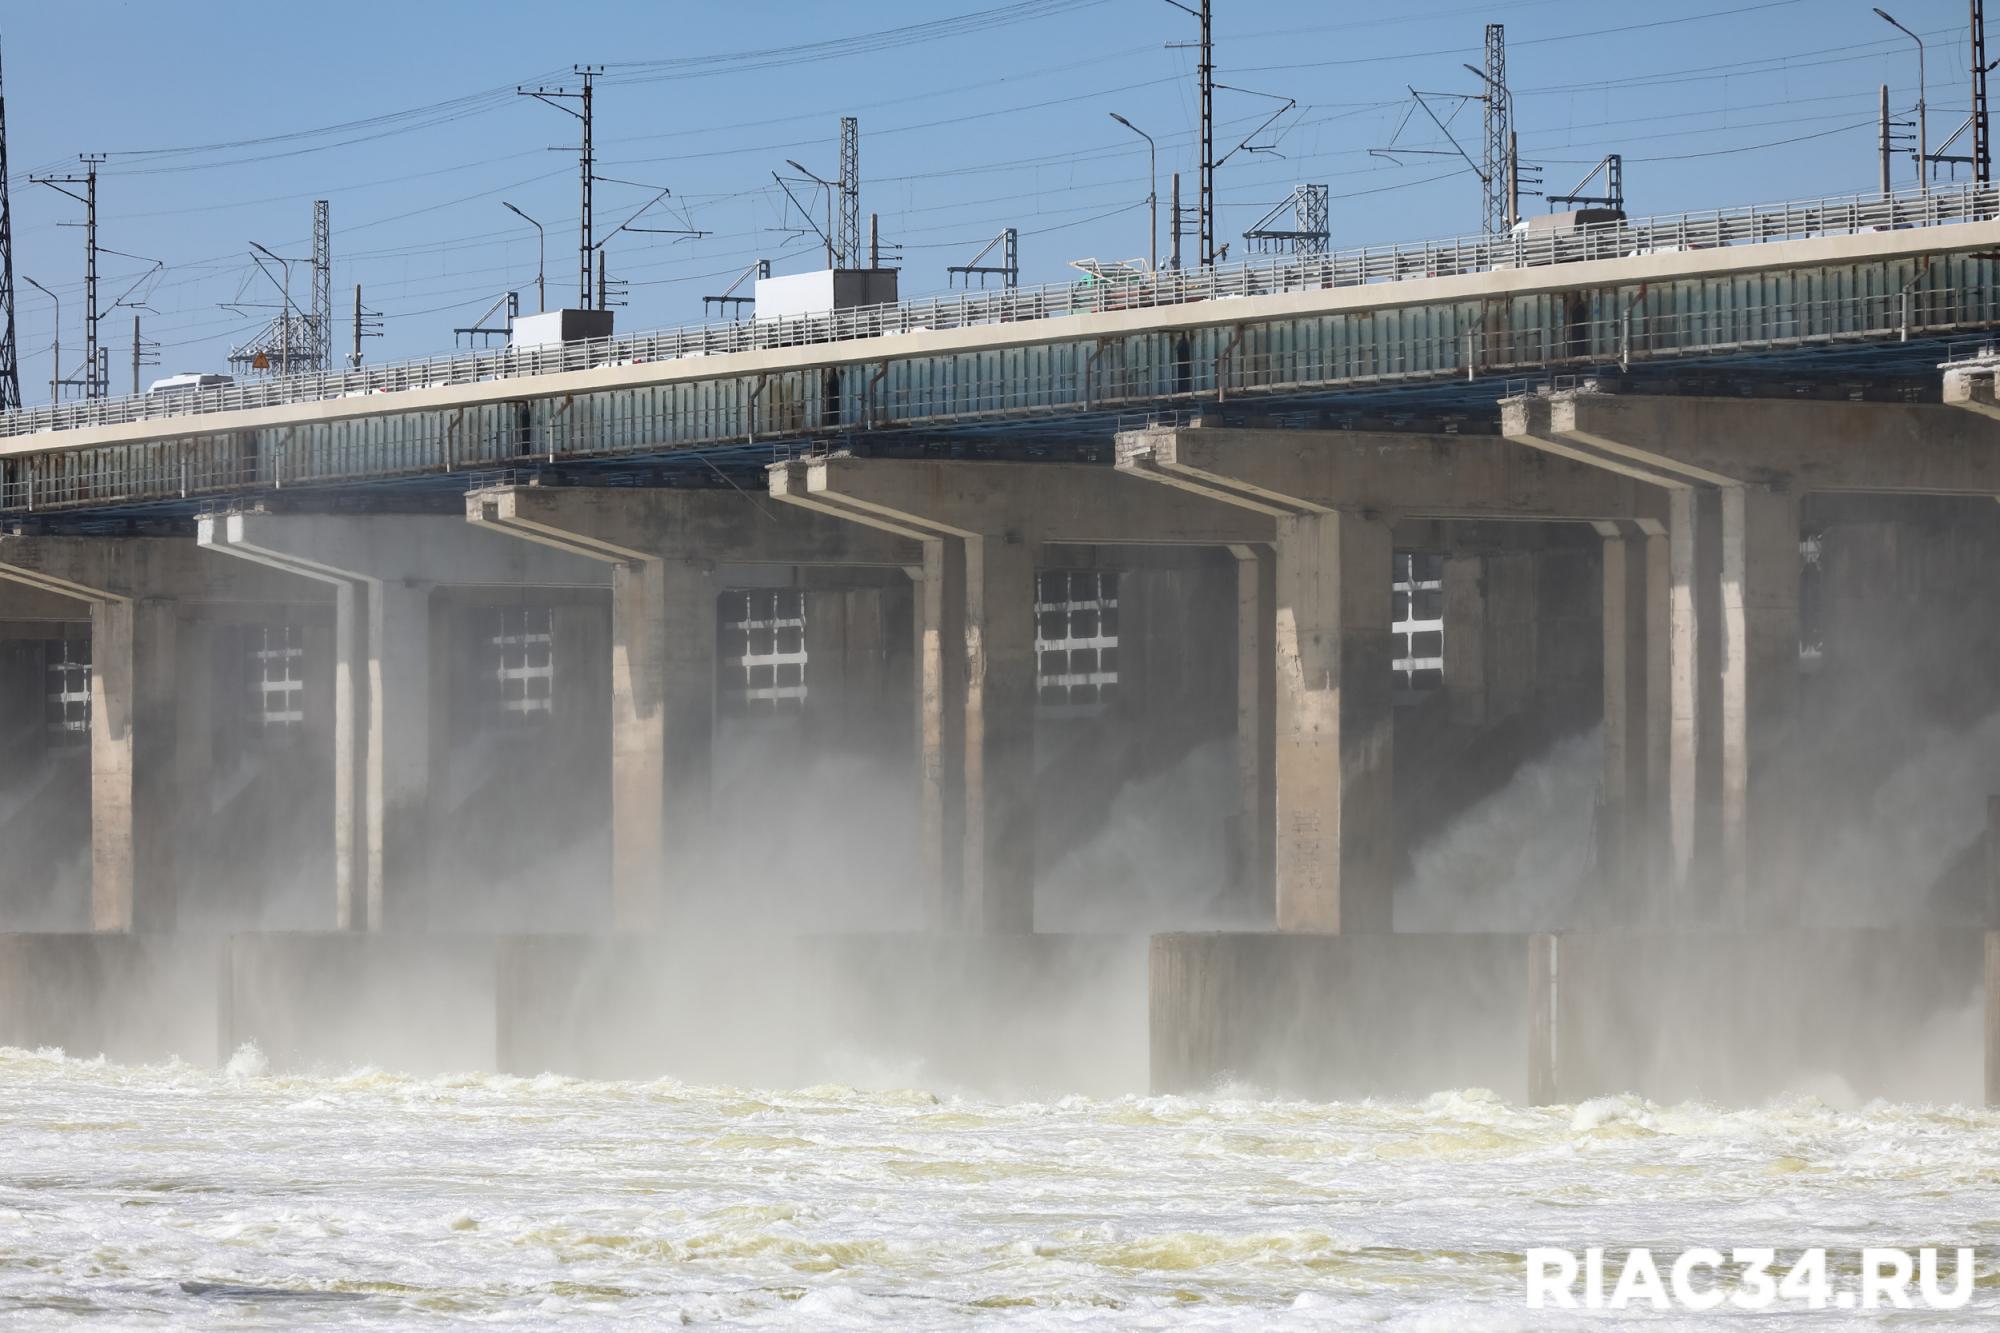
[
  {"x": 1982, "y": 129},
  {"x": 367, "y": 324},
  {"x": 144, "y": 353},
  {"x": 93, "y": 379},
  {"x": 586, "y": 164},
  {"x": 10, "y": 366},
  {"x": 1887, "y": 183},
  {"x": 1205, "y": 81}
]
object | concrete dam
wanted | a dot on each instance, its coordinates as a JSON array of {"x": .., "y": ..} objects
[{"x": 1552, "y": 663}]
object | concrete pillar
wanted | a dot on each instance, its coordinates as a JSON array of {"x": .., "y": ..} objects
[
  {"x": 194, "y": 732},
  {"x": 1759, "y": 690},
  {"x": 940, "y": 701},
  {"x": 833, "y": 623},
  {"x": 1992, "y": 1033},
  {"x": 1686, "y": 532},
  {"x": 1335, "y": 730},
  {"x": 406, "y": 716},
  {"x": 1659, "y": 703},
  {"x": 1992, "y": 900},
  {"x": 1626, "y": 722},
  {"x": 662, "y": 735},
  {"x": 134, "y": 798},
  {"x": 1544, "y": 1020},
  {"x": 1465, "y": 639},
  {"x": 357, "y": 881},
  {"x": 1256, "y": 821},
  {"x": 999, "y": 892},
  {"x": 1511, "y": 627}
]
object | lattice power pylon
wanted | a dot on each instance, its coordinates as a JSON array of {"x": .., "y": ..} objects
[
  {"x": 322, "y": 293},
  {"x": 849, "y": 244}
]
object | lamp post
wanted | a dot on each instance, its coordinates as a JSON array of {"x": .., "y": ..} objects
[
  {"x": 1923, "y": 128},
  {"x": 1152, "y": 193},
  {"x": 541, "y": 259},
  {"x": 55, "y": 372}
]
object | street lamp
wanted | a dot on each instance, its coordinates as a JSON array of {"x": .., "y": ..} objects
[
  {"x": 1923, "y": 128},
  {"x": 1153, "y": 192},
  {"x": 542, "y": 259},
  {"x": 55, "y": 373}
]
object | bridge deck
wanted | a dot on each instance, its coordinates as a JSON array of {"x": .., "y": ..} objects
[{"x": 1291, "y": 333}]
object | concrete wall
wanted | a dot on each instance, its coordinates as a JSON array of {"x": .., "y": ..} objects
[
  {"x": 1845, "y": 1015},
  {"x": 1340, "y": 1016},
  {"x": 1007, "y": 1016},
  {"x": 1014, "y": 1016},
  {"x": 134, "y": 998},
  {"x": 413, "y": 1003}
]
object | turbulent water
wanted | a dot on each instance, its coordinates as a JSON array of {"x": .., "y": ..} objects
[{"x": 171, "y": 1196}]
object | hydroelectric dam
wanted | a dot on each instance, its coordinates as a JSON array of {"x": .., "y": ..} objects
[{"x": 1516, "y": 654}]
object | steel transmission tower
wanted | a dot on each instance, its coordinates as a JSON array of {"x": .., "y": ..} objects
[
  {"x": 1502, "y": 186},
  {"x": 322, "y": 293},
  {"x": 10, "y": 366},
  {"x": 850, "y": 193}
]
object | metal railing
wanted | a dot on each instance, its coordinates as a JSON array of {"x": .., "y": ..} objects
[
  {"x": 1528, "y": 248},
  {"x": 188, "y": 469}
]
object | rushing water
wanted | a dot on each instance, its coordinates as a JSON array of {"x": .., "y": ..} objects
[{"x": 172, "y": 1195}]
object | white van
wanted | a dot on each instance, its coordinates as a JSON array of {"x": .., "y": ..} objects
[{"x": 187, "y": 382}]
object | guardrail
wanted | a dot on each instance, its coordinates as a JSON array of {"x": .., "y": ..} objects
[{"x": 1754, "y": 225}]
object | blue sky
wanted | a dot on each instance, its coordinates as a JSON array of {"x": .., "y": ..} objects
[{"x": 223, "y": 121}]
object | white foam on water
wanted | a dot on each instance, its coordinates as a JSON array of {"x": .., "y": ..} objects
[{"x": 369, "y": 1198}]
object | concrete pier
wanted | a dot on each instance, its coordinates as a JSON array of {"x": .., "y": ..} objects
[
  {"x": 1333, "y": 497},
  {"x": 983, "y": 528},
  {"x": 144, "y": 596},
  {"x": 384, "y": 572},
  {"x": 1734, "y": 472},
  {"x": 660, "y": 550}
]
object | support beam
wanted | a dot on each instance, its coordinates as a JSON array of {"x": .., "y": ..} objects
[{"x": 1403, "y": 475}]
